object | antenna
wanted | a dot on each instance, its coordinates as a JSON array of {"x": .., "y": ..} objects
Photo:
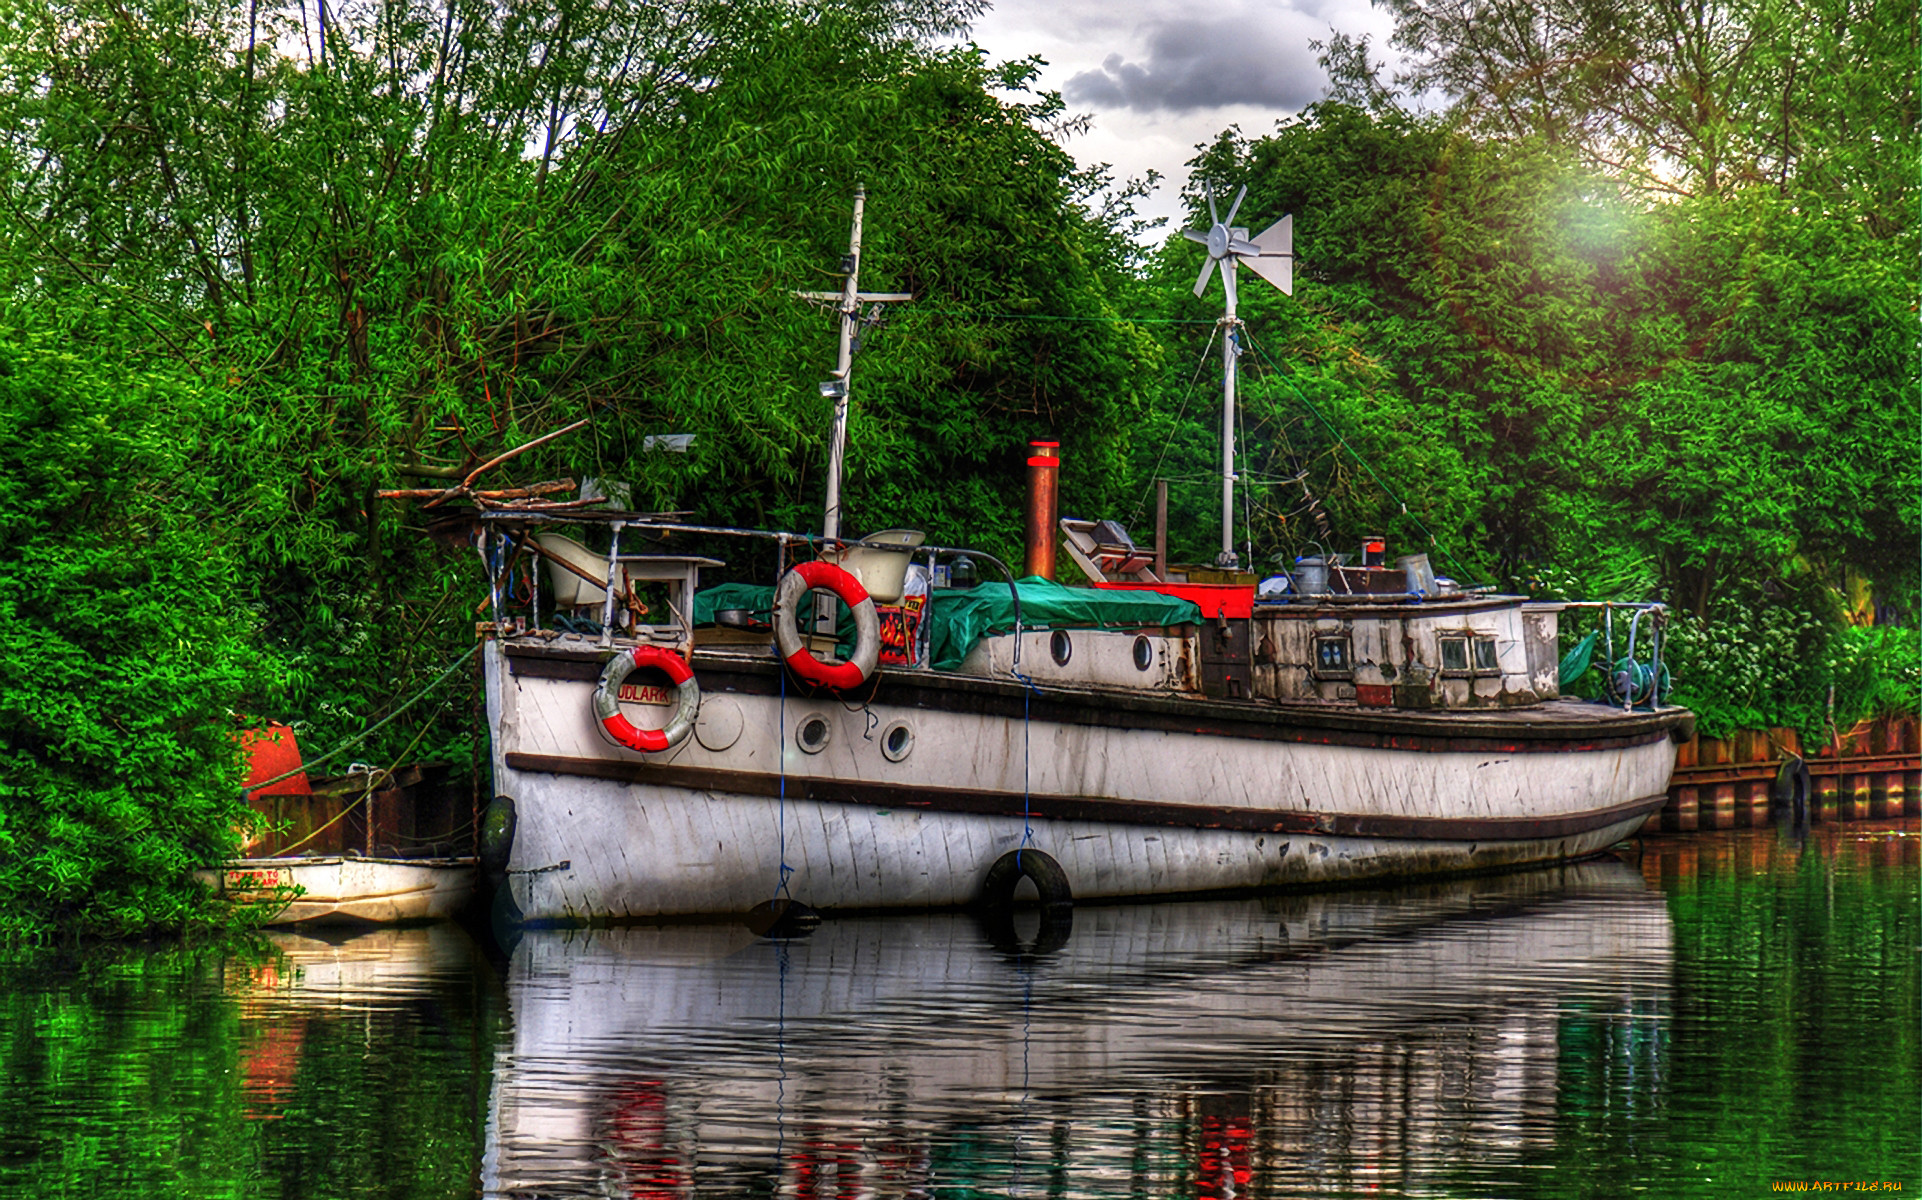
[{"x": 1270, "y": 255}]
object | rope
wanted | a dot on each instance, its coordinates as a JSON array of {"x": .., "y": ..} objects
[
  {"x": 780, "y": 887},
  {"x": 1463, "y": 568},
  {"x": 1028, "y": 691},
  {"x": 365, "y": 792},
  {"x": 364, "y": 734}
]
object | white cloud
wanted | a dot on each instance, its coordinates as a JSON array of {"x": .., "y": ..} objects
[{"x": 1157, "y": 78}]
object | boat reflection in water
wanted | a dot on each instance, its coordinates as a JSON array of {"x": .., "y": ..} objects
[{"x": 1273, "y": 1046}]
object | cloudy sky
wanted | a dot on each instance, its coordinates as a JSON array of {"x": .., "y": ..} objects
[{"x": 1156, "y": 77}]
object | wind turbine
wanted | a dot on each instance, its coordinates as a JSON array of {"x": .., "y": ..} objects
[{"x": 1270, "y": 255}]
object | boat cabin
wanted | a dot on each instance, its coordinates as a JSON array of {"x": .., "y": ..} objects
[{"x": 1391, "y": 638}]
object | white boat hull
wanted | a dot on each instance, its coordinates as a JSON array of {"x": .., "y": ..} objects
[
  {"x": 1131, "y": 800},
  {"x": 322, "y": 889}
]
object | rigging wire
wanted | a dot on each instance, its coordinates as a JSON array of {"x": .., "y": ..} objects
[
  {"x": 1433, "y": 541},
  {"x": 364, "y": 734},
  {"x": 780, "y": 887},
  {"x": 1200, "y": 364}
]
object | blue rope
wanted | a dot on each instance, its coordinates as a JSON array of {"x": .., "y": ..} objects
[
  {"x": 780, "y": 888},
  {"x": 1028, "y": 692}
]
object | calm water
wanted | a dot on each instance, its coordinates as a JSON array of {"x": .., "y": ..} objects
[{"x": 1711, "y": 1017}]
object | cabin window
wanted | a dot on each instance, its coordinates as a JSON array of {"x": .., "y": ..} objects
[
  {"x": 1485, "y": 655},
  {"x": 1469, "y": 654},
  {"x": 1332, "y": 657}
]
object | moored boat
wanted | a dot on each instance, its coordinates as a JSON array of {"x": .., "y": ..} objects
[
  {"x": 372, "y": 846},
  {"x": 347, "y": 888},
  {"x": 1143, "y": 750},
  {"x": 661, "y": 748}
]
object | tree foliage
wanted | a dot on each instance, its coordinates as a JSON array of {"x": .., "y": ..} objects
[
  {"x": 378, "y": 243},
  {"x": 1572, "y": 386},
  {"x": 1691, "y": 99},
  {"x": 126, "y": 647}
]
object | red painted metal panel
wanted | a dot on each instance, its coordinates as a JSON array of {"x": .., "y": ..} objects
[
  {"x": 272, "y": 751},
  {"x": 1214, "y": 599}
]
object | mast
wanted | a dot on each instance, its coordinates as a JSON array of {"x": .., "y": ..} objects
[
  {"x": 1230, "y": 352},
  {"x": 847, "y": 303},
  {"x": 843, "y": 360},
  {"x": 1271, "y": 255}
]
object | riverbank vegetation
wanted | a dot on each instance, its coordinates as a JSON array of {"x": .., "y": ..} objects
[{"x": 263, "y": 262}]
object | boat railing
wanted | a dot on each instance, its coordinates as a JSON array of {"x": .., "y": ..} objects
[
  {"x": 1631, "y": 682},
  {"x": 507, "y": 533}
]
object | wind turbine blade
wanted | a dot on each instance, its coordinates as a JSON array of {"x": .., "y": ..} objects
[
  {"x": 1190, "y": 234},
  {"x": 1278, "y": 269},
  {"x": 1213, "y": 219},
  {"x": 1278, "y": 238},
  {"x": 1207, "y": 269},
  {"x": 1236, "y": 206},
  {"x": 1228, "y": 282},
  {"x": 1243, "y": 246}
]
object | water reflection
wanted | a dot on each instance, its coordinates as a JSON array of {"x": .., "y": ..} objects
[
  {"x": 1727, "y": 1012},
  {"x": 1277, "y": 1046},
  {"x": 302, "y": 980}
]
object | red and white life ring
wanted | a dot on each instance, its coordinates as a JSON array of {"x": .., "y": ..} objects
[
  {"x": 787, "y": 632},
  {"x": 607, "y": 708}
]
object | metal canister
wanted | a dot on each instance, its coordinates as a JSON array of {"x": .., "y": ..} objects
[
  {"x": 1311, "y": 576},
  {"x": 1421, "y": 576}
]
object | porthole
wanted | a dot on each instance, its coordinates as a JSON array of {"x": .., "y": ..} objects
[
  {"x": 813, "y": 733},
  {"x": 1060, "y": 648},
  {"x": 897, "y": 741},
  {"x": 1144, "y": 653}
]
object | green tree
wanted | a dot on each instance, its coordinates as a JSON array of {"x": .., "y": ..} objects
[
  {"x": 379, "y": 244},
  {"x": 126, "y": 643}
]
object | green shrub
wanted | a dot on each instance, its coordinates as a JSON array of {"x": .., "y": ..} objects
[
  {"x": 1758, "y": 662},
  {"x": 124, "y": 651}
]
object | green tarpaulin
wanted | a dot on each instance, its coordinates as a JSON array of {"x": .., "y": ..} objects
[
  {"x": 1575, "y": 662},
  {"x": 755, "y": 600},
  {"x": 961, "y": 618}
]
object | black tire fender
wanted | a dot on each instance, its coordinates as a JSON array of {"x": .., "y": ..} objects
[{"x": 997, "y": 888}]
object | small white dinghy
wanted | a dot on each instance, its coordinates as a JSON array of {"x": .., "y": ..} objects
[
  {"x": 371, "y": 846},
  {"x": 347, "y": 887}
]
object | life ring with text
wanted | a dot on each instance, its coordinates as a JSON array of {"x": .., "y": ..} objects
[
  {"x": 607, "y": 708},
  {"x": 787, "y": 632}
]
